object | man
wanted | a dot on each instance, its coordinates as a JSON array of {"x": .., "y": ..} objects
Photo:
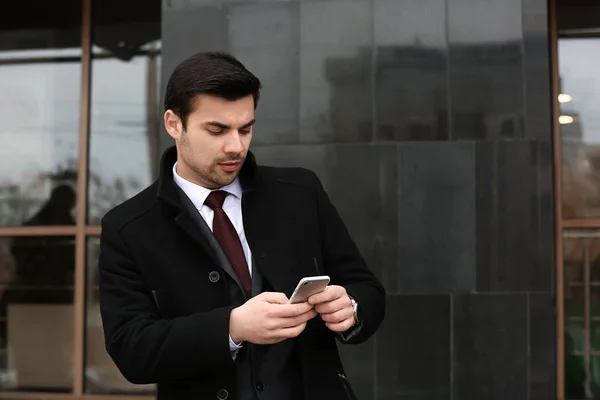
[{"x": 196, "y": 270}]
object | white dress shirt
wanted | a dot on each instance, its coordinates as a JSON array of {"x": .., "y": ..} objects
[{"x": 232, "y": 207}]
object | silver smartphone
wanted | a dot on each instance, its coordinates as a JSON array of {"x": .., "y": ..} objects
[{"x": 307, "y": 287}]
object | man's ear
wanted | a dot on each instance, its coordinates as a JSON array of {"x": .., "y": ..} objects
[{"x": 173, "y": 124}]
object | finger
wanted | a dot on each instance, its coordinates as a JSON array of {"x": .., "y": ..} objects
[
  {"x": 334, "y": 306},
  {"x": 329, "y": 294},
  {"x": 341, "y": 326},
  {"x": 307, "y": 316},
  {"x": 299, "y": 320},
  {"x": 310, "y": 314},
  {"x": 338, "y": 316},
  {"x": 290, "y": 310},
  {"x": 291, "y": 332},
  {"x": 273, "y": 297},
  {"x": 283, "y": 334}
]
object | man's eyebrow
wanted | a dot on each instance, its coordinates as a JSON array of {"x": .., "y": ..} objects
[
  {"x": 249, "y": 124},
  {"x": 217, "y": 124},
  {"x": 224, "y": 126}
]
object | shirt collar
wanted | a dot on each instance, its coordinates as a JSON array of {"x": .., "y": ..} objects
[{"x": 198, "y": 194}]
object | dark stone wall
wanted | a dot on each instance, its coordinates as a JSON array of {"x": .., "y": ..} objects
[{"x": 429, "y": 123}]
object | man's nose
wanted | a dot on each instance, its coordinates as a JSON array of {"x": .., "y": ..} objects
[{"x": 233, "y": 143}]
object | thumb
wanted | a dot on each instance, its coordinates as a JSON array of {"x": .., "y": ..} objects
[{"x": 274, "y": 298}]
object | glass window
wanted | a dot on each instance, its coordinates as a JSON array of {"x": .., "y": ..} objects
[
  {"x": 124, "y": 108},
  {"x": 124, "y": 148},
  {"x": 36, "y": 313},
  {"x": 124, "y": 131},
  {"x": 40, "y": 80},
  {"x": 40, "y": 84},
  {"x": 580, "y": 125},
  {"x": 579, "y": 122},
  {"x": 582, "y": 313}
]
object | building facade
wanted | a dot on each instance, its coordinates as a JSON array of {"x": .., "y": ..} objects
[{"x": 457, "y": 138}]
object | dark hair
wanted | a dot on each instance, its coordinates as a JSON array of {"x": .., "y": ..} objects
[{"x": 216, "y": 73}]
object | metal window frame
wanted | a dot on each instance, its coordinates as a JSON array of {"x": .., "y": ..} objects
[{"x": 558, "y": 218}]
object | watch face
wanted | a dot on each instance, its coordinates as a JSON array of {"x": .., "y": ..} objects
[{"x": 355, "y": 308}]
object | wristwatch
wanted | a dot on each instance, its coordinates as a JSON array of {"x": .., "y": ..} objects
[{"x": 354, "y": 305}]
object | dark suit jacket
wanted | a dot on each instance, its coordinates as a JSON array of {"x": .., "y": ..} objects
[{"x": 166, "y": 317}]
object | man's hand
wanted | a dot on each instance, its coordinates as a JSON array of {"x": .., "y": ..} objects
[
  {"x": 268, "y": 319},
  {"x": 335, "y": 308}
]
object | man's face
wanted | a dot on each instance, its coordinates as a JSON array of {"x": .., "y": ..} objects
[{"x": 213, "y": 147}]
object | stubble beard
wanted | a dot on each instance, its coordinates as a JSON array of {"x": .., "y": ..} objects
[{"x": 210, "y": 176}]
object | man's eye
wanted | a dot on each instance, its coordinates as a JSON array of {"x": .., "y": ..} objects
[
  {"x": 217, "y": 132},
  {"x": 245, "y": 131}
]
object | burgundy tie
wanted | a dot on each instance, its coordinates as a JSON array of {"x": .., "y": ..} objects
[{"x": 228, "y": 238}]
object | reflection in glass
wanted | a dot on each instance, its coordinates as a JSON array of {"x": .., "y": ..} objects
[
  {"x": 39, "y": 108},
  {"x": 335, "y": 71},
  {"x": 102, "y": 376},
  {"x": 271, "y": 53},
  {"x": 580, "y": 125},
  {"x": 40, "y": 75},
  {"x": 411, "y": 76},
  {"x": 36, "y": 313},
  {"x": 124, "y": 130},
  {"x": 124, "y": 102},
  {"x": 582, "y": 314}
]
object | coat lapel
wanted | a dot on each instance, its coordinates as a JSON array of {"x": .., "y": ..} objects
[
  {"x": 191, "y": 228},
  {"x": 192, "y": 222},
  {"x": 257, "y": 279},
  {"x": 187, "y": 217},
  {"x": 259, "y": 215}
]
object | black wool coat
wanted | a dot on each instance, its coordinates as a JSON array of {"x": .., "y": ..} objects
[{"x": 166, "y": 320}]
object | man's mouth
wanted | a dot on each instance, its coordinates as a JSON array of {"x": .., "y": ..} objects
[{"x": 230, "y": 166}]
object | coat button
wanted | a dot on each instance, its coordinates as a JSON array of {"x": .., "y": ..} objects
[
  {"x": 260, "y": 386},
  {"x": 222, "y": 394},
  {"x": 214, "y": 277}
]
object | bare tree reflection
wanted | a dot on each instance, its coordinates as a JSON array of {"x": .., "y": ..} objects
[
  {"x": 104, "y": 196},
  {"x": 43, "y": 266},
  {"x": 39, "y": 270}
]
